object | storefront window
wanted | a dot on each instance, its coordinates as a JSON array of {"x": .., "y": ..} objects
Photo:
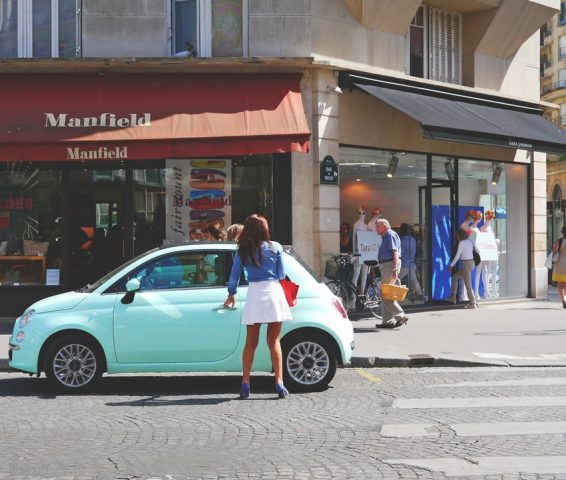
[
  {"x": 501, "y": 189},
  {"x": 557, "y": 212},
  {"x": 201, "y": 195},
  {"x": 31, "y": 235},
  {"x": 392, "y": 182}
]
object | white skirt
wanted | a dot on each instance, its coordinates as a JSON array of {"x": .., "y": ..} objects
[{"x": 265, "y": 303}]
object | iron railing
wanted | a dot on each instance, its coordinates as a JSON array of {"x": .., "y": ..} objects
[{"x": 554, "y": 86}]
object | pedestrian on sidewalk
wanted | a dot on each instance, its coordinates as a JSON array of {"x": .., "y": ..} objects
[
  {"x": 265, "y": 302},
  {"x": 559, "y": 267},
  {"x": 389, "y": 264},
  {"x": 465, "y": 253},
  {"x": 408, "y": 262}
]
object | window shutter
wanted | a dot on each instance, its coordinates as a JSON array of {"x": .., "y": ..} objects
[{"x": 445, "y": 43}]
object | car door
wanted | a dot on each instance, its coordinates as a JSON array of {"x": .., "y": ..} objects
[{"x": 177, "y": 316}]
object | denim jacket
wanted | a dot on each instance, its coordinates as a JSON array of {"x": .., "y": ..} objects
[{"x": 271, "y": 267}]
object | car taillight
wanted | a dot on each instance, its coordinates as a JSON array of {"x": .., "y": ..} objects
[{"x": 338, "y": 304}]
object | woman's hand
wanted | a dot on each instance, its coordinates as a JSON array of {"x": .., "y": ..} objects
[
  {"x": 449, "y": 268},
  {"x": 230, "y": 302}
]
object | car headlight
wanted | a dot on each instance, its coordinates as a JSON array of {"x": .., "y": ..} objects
[
  {"x": 26, "y": 318},
  {"x": 20, "y": 337}
]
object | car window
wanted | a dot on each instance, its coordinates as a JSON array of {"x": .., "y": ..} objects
[{"x": 180, "y": 270}]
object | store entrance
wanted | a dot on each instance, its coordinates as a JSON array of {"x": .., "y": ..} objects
[
  {"x": 436, "y": 213},
  {"x": 96, "y": 203}
]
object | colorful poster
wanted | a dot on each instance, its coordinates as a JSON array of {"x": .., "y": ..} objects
[{"x": 199, "y": 194}]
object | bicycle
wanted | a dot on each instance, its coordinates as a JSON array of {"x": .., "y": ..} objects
[{"x": 343, "y": 287}]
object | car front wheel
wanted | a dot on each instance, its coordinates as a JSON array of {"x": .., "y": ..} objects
[
  {"x": 73, "y": 363},
  {"x": 309, "y": 362}
]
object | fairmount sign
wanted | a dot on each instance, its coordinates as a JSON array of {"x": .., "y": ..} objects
[{"x": 63, "y": 120}]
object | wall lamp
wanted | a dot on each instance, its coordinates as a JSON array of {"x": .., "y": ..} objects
[
  {"x": 393, "y": 161},
  {"x": 496, "y": 174},
  {"x": 449, "y": 169}
]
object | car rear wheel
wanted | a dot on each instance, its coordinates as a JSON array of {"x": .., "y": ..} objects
[
  {"x": 73, "y": 363},
  {"x": 309, "y": 362}
]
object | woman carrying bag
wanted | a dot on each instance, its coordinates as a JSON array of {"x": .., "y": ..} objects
[
  {"x": 265, "y": 302},
  {"x": 559, "y": 265}
]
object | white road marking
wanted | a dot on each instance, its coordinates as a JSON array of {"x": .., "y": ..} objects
[
  {"x": 531, "y": 381},
  {"x": 479, "y": 402},
  {"x": 507, "y": 428},
  {"x": 488, "y": 465},
  {"x": 503, "y": 356},
  {"x": 406, "y": 430}
]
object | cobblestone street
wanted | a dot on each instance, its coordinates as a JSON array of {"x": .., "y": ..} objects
[{"x": 492, "y": 423}]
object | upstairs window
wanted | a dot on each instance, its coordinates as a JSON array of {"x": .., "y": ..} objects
[
  {"x": 209, "y": 28},
  {"x": 435, "y": 45},
  {"x": 39, "y": 28}
]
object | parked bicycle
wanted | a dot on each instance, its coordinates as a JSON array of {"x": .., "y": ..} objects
[{"x": 342, "y": 286}]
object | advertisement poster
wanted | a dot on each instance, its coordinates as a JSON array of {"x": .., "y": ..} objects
[
  {"x": 368, "y": 245},
  {"x": 198, "y": 195},
  {"x": 486, "y": 245}
]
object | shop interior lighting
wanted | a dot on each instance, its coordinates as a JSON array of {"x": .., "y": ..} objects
[
  {"x": 393, "y": 161},
  {"x": 496, "y": 174},
  {"x": 449, "y": 168}
]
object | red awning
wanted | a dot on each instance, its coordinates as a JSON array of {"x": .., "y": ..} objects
[{"x": 56, "y": 117}]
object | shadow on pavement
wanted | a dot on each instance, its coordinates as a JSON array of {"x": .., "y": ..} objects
[{"x": 151, "y": 387}]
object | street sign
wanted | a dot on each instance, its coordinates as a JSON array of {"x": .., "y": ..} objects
[{"x": 328, "y": 171}]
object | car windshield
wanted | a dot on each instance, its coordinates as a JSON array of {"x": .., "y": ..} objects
[{"x": 105, "y": 278}]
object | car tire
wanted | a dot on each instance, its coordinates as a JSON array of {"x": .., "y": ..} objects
[
  {"x": 73, "y": 363},
  {"x": 309, "y": 362}
]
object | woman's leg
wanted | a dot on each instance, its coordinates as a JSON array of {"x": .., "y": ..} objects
[
  {"x": 273, "y": 341},
  {"x": 467, "y": 268},
  {"x": 561, "y": 289},
  {"x": 252, "y": 338}
]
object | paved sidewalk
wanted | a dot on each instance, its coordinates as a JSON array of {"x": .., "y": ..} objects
[{"x": 515, "y": 333}]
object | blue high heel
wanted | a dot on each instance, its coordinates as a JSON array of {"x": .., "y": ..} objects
[
  {"x": 245, "y": 390},
  {"x": 281, "y": 390}
]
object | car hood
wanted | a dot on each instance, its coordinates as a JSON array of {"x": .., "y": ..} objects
[{"x": 63, "y": 301}]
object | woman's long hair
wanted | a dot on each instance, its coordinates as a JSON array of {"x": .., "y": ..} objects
[{"x": 254, "y": 233}]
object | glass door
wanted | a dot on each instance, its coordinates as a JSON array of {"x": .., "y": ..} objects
[{"x": 96, "y": 224}]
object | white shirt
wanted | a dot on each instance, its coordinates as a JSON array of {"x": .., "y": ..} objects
[{"x": 465, "y": 251}]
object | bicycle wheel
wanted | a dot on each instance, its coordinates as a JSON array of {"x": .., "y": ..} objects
[
  {"x": 373, "y": 298},
  {"x": 340, "y": 291}
]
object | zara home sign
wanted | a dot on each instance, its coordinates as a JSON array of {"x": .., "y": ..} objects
[{"x": 63, "y": 120}]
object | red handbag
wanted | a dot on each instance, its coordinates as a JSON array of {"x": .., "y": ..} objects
[{"x": 290, "y": 289}]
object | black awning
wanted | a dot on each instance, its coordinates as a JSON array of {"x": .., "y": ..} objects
[{"x": 461, "y": 118}]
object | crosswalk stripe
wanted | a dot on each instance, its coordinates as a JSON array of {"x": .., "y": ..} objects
[
  {"x": 406, "y": 430},
  {"x": 487, "y": 465},
  {"x": 478, "y": 402},
  {"x": 531, "y": 381},
  {"x": 507, "y": 428}
]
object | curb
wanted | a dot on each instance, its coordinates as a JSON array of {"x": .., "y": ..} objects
[{"x": 4, "y": 365}]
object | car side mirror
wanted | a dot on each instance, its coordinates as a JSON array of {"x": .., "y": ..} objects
[{"x": 132, "y": 287}]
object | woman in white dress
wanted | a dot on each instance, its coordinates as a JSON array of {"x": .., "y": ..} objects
[{"x": 265, "y": 302}]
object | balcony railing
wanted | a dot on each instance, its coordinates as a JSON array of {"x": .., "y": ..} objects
[
  {"x": 554, "y": 86},
  {"x": 560, "y": 121}
]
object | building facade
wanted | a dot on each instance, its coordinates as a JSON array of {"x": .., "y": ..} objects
[
  {"x": 136, "y": 124},
  {"x": 553, "y": 90}
]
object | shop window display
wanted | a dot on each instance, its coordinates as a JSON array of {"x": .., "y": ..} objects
[
  {"x": 389, "y": 184},
  {"x": 31, "y": 237}
]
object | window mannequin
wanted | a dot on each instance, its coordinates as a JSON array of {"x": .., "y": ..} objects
[
  {"x": 491, "y": 265},
  {"x": 467, "y": 226},
  {"x": 359, "y": 267},
  {"x": 481, "y": 269}
]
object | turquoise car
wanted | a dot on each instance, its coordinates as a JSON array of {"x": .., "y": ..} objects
[{"x": 163, "y": 312}]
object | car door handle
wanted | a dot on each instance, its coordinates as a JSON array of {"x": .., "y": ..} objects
[{"x": 217, "y": 309}]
